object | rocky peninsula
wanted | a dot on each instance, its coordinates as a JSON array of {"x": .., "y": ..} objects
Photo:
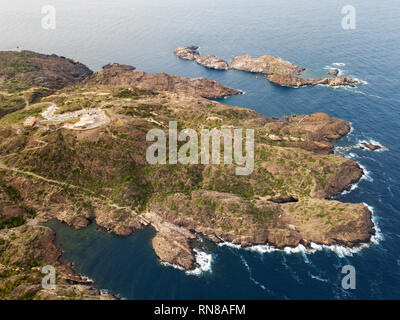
[{"x": 48, "y": 171}]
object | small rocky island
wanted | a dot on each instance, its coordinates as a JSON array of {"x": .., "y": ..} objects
[
  {"x": 275, "y": 69},
  {"x": 50, "y": 171},
  {"x": 210, "y": 61}
]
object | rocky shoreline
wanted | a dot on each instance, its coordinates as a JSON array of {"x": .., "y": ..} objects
[{"x": 210, "y": 61}]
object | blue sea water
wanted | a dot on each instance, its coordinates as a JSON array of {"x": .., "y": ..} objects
[{"x": 308, "y": 33}]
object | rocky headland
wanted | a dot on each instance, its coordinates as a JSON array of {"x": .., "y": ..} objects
[
  {"x": 275, "y": 69},
  {"x": 48, "y": 171},
  {"x": 124, "y": 76}
]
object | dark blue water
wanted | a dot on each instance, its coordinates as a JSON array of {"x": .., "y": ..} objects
[{"x": 307, "y": 33}]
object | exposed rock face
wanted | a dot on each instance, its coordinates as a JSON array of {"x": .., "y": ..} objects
[
  {"x": 293, "y": 81},
  {"x": 32, "y": 248},
  {"x": 370, "y": 146},
  {"x": 187, "y": 52},
  {"x": 265, "y": 64},
  {"x": 124, "y": 67},
  {"x": 212, "y": 62},
  {"x": 115, "y": 75},
  {"x": 31, "y": 69}
]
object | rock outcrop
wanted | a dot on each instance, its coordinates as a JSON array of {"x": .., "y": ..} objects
[
  {"x": 210, "y": 61},
  {"x": 30, "y": 69},
  {"x": 121, "y": 76}
]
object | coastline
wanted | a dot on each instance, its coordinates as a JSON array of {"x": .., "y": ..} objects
[{"x": 285, "y": 150}]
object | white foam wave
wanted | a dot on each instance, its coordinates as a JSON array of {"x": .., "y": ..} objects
[
  {"x": 339, "y": 64},
  {"x": 87, "y": 279},
  {"x": 318, "y": 278},
  {"x": 330, "y": 68},
  {"x": 167, "y": 264},
  {"x": 366, "y": 176},
  {"x": 351, "y": 128},
  {"x": 362, "y": 81},
  {"x": 341, "y": 251},
  {"x": 250, "y": 274},
  {"x": 204, "y": 262}
]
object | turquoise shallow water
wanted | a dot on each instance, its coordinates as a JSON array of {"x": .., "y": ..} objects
[{"x": 308, "y": 33}]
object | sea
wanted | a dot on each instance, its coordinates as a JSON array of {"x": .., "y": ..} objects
[{"x": 143, "y": 33}]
